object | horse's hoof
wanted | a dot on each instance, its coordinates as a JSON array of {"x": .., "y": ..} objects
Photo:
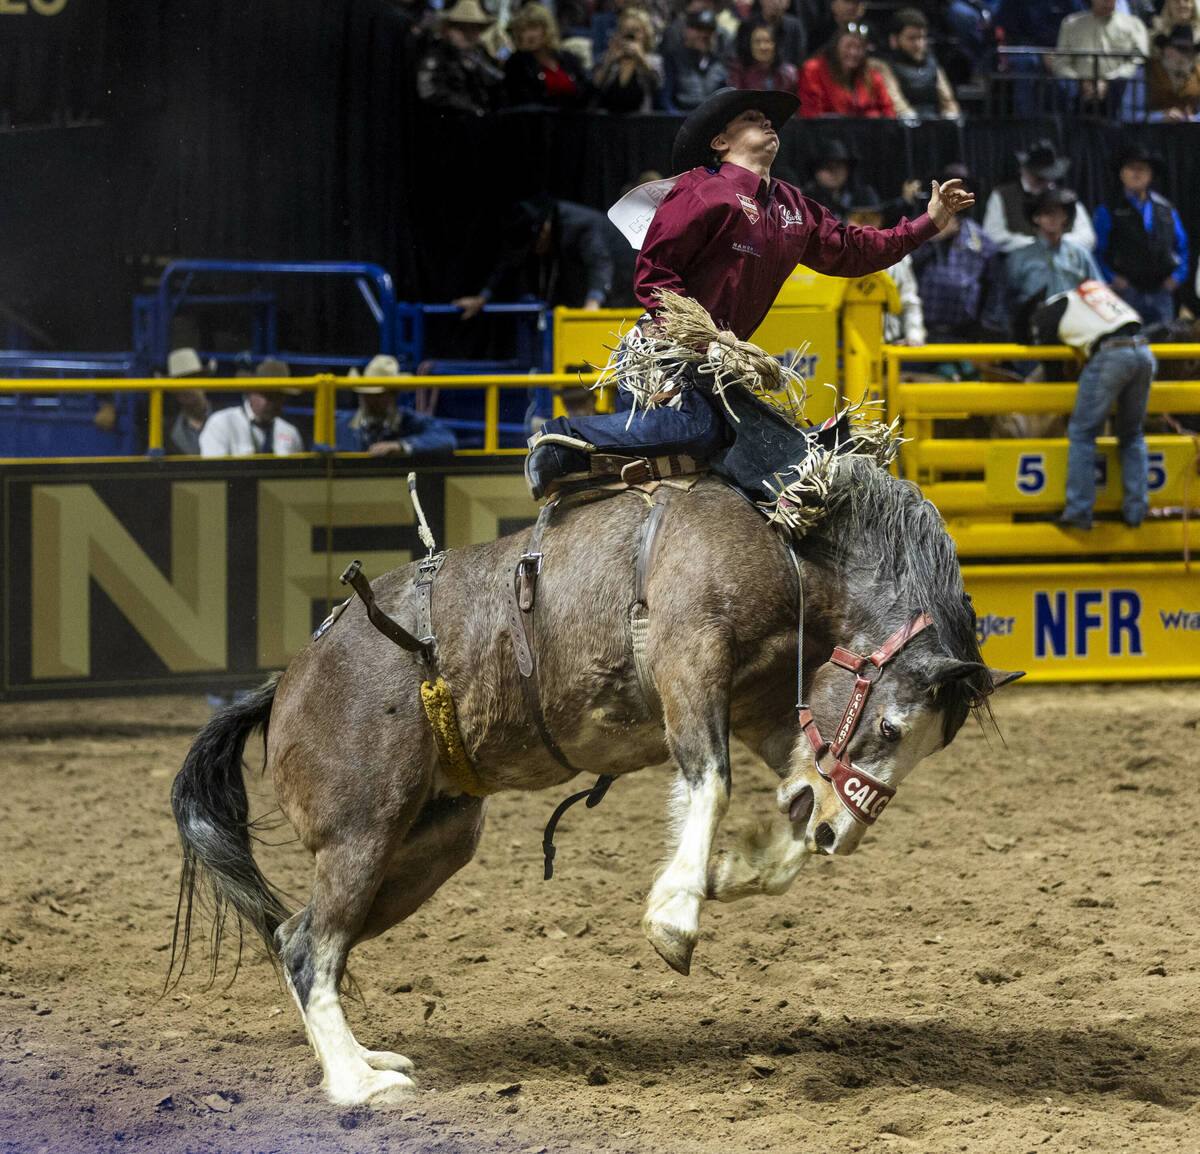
[
  {"x": 673, "y": 946},
  {"x": 373, "y": 1088}
]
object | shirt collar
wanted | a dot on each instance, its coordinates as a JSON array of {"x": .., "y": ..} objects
[{"x": 747, "y": 182}]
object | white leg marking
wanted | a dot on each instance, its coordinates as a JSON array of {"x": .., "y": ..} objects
[
  {"x": 672, "y": 918},
  {"x": 765, "y": 862},
  {"x": 354, "y": 1076}
]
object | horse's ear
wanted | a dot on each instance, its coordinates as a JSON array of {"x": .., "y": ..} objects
[
  {"x": 1003, "y": 676},
  {"x": 948, "y": 669}
]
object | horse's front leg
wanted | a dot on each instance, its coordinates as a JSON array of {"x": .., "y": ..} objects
[
  {"x": 698, "y": 736},
  {"x": 768, "y": 859}
]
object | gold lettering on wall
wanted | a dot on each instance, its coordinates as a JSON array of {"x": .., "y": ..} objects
[
  {"x": 291, "y": 575},
  {"x": 476, "y": 505},
  {"x": 47, "y": 7},
  {"x": 76, "y": 538},
  {"x": 13, "y": 8}
]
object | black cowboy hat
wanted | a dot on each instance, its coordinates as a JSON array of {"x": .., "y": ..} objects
[
  {"x": 1042, "y": 159},
  {"x": 833, "y": 149},
  {"x": 863, "y": 198},
  {"x": 1048, "y": 198},
  {"x": 1138, "y": 154},
  {"x": 1181, "y": 36},
  {"x": 692, "y": 145}
]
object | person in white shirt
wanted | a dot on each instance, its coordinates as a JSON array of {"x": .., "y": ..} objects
[
  {"x": 1006, "y": 217},
  {"x": 1101, "y": 78},
  {"x": 255, "y": 425}
]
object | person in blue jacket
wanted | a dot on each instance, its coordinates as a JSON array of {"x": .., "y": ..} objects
[{"x": 381, "y": 427}]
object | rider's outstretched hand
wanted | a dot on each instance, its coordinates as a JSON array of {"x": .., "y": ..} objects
[{"x": 947, "y": 200}]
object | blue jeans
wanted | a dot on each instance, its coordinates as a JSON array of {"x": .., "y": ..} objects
[
  {"x": 1119, "y": 376},
  {"x": 1155, "y": 307}
]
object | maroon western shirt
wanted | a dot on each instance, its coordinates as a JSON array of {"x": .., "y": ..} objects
[{"x": 729, "y": 240}]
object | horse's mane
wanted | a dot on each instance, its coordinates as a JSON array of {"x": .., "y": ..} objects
[{"x": 878, "y": 524}]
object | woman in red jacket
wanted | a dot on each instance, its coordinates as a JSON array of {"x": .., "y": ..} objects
[{"x": 840, "y": 81}]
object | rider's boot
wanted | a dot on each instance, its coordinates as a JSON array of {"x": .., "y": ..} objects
[{"x": 547, "y": 462}]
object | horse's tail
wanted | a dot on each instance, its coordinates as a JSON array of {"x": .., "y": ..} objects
[{"x": 212, "y": 813}]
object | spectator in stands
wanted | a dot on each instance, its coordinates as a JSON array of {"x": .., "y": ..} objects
[
  {"x": 723, "y": 37},
  {"x": 823, "y": 19},
  {"x": 1035, "y": 25},
  {"x": 1006, "y": 219},
  {"x": 693, "y": 69},
  {"x": 1141, "y": 245},
  {"x": 1175, "y": 12},
  {"x": 604, "y": 24},
  {"x": 791, "y": 41},
  {"x": 561, "y": 253},
  {"x": 630, "y": 77},
  {"x": 960, "y": 281},
  {"x": 381, "y": 427},
  {"x": 454, "y": 71},
  {"x": 1173, "y": 77},
  {"x": 1098, "y": 78},
  {"x": 840, "y": 81},
  {"x": 254, "y": 426},
  {"x": 184, "y": 436},
  {"x": 832, "y": 182},
  {"x": 759, "y": 65},
  {"x": 1052, "y": 263},
  {"x": 540, "y": 70},
  {"x": 918, "y": 87}
]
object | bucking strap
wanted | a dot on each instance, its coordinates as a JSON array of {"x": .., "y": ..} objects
[{"x": 639, "y": 470}]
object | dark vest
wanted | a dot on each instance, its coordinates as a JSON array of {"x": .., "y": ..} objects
[
  {"x": 918, "y": 82},
  {"x": 1013, "y": 197},
  {"x": 1145, "y": 259}
]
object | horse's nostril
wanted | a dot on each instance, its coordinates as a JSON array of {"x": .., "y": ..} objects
[{"x": 824, "y": 836}]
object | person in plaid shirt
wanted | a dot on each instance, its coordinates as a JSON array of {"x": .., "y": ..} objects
[{"x": 961, "y": 284}]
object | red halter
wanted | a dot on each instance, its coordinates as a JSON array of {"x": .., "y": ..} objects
[{"x": 863, "y": 795}]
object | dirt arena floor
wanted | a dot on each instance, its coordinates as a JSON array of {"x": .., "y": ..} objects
[{"x": 1009, "y": 963}]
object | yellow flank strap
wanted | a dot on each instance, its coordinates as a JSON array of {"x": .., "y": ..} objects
[{"x": 439, "y": 708}]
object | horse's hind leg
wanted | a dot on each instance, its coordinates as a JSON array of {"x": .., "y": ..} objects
[{"x": 359, "y": 892}]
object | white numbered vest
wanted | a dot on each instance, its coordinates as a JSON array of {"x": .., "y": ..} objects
[{"x": 1093, "y": 311}]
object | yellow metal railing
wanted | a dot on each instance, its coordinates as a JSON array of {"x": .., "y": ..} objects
[
  {"x": 323, "y": 387},
  {"x": 974, "y": 481}
]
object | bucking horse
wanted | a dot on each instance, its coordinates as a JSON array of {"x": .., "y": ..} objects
[{"x": 640, "y": 626}]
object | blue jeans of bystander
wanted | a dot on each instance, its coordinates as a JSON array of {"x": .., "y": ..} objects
[{"x": 1119, "y": 375}]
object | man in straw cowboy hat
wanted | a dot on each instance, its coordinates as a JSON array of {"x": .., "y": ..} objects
[
  {"x": 455, "y": 71},
  {"x": 727, "y": 236},
  {"x": 383, "y": 428}
]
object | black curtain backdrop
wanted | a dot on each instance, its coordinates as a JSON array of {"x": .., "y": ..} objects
[{"x": 271, "y": 131}]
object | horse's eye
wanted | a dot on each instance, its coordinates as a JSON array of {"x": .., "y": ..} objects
[{"x": 889, "y": 731}]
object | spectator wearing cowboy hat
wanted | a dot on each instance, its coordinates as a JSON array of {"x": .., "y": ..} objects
[
  {"x": 383, "y": 428},
  {"x": 693, "y": 64},
  {"x": 254, "y": 426},
  {"x": 727, "y": 235},
  {"x": 455, "y": 72},
  {"x": 1173, "y": 77},
  {"x": 1141, "y": 244},
  {"x": 1052, "y": 262},
  {"x": 184, "y": 435},
  {"x": 1006, "y": 219},
  {"x": 832, "y": 183}
]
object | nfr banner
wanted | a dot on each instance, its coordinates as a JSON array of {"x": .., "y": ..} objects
[{"x": 150, "y": 576}]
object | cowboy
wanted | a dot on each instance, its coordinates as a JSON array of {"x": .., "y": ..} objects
[
  {"x": 728, "y": 236},
  {"x": 1006, "y": 218},
  {"x": 383, "y": 428},
  {"x": 256, "y": 425}
]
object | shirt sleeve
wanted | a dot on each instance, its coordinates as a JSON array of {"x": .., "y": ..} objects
[
  {"x": 213, "y": 438},
  {"x": 1103, "y": 226},
  {"x": 682, "y": 226},
  {"x": 838, "y": 249}
]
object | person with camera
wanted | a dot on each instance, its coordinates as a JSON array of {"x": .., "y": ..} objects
[{"x": 630, "y": 77}]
